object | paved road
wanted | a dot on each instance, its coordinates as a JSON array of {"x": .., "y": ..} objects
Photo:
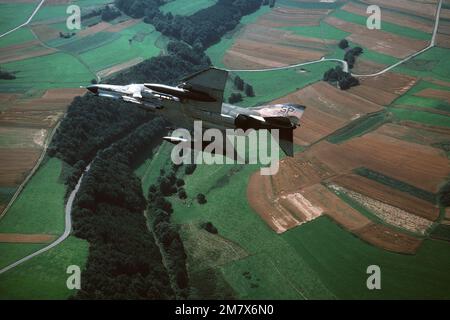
[
  {"x": 345, "y": 68},
  {"x": 26, "y": 22},
  {"x": 344, "y": 63},
  {"x": 67, "y": 229}
]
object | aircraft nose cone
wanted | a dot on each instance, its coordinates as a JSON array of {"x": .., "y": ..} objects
[{"x": 93, "y": 89}]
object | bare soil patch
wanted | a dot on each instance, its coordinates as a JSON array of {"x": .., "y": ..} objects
[
  {"x": 434, "y": 93},
  {"x": 422, "y": 166},
  {"x": 26, "y": 238},
  {"x": 389, "y": 239},
  {"x": 117, "y": 68},
  {"x": 385, "y": 88},
  {"x": 16, "y": 163}
]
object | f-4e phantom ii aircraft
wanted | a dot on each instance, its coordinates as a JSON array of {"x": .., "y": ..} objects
[{"x": 200, "y": 97}]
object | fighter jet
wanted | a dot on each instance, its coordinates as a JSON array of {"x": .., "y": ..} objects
[{"x": 200, "y": 97}]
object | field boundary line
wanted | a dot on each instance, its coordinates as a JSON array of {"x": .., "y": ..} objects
[{"x": 26, "y": 22}]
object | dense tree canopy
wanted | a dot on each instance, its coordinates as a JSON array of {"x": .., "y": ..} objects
[
  {"x": 124, "y": 261},
  {"x": 202, "y": 29}
]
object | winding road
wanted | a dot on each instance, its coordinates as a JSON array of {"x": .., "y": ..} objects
[{"x": 67, "y": 229}]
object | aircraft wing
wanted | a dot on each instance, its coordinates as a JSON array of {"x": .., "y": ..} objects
[{"x": 212, "y": 82}]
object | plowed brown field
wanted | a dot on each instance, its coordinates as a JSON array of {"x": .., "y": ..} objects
[{"x": 378, "y": 40}]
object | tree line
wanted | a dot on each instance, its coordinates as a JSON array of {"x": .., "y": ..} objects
[
  {"x": 124, "y": 260},
  {"x": 159, "y": 212},
  {"x": 202, "y": 29}
]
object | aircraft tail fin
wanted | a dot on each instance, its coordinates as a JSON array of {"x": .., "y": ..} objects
[{"x": 212, "y": 82}]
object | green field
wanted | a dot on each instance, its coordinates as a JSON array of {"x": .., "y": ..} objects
[
  {"x": 428, "y": 118},
  {"x": 316, "y": 260},
  {"x": 186, "y": 8},
  {"x": 12, "y": 252},
  {"x": 19, "y": 36},
  {"x": 149, "y": 171},
  {"x": 120, "y": 50},
  {"x": 217, "y": 51},
  {"x": 358, "y": 127},
  {"x": 6, "y": 194},
  {"x": 44, "y": 276},
  {"x": 323, "y": 31},
  {"x": 59, "y": 12},
  {"x": 432, "y": 63},
  {"x": 341, "y": 260},
  {"x": 40, "y": 206},
  {"x": 385, "y": 26},
  {"x": 90, "y": 42},
  {"x": 271, "y": 85},
  {"x": 397, "y": 184},
  {"x": 308, "y": 4},
  {"x": 227, "y": 208},
  {"x": 57, "y": 70},
  {"x": 409, "y": 99},
  {"x": 14, "y": 14}
]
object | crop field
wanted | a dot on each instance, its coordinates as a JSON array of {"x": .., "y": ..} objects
[
  {"x": 49, "y": 71},
  {"x": 13, "y": 252},
  {"x": 421, "y": 9},
  {"x": 40, "y": 207},
  {"x": 183, "y": 8},
  {"x": 381, "y": 153},
  {"x": 217, "y": 51},
  {"x": 415, "y": 26},
  {"x": 14, "y": 14},
  {"x": 281, "y": 46},
  {"x": 24, "y": 126},
  {"x": 289, "y": 81},
  {"x": 143, "y": 38},
  {"x": 378, "y": 40},
  {"x": 232, "y": 218},
  {"x": 389, "y": 27},
  {"x": 358, "y": 127},
  {"x": 264, "y": 272},
  {"x": 328, "y": 109},
  {"x": 360, "y": 190}
]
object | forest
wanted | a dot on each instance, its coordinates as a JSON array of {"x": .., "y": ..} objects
[
  {"x": 126, "y": 255},
  {"x": 202, "y": 29}
]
